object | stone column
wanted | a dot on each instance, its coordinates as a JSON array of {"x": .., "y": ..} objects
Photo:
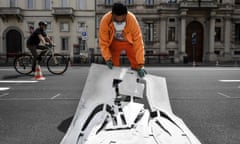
[
  {"x": 163, "y": 34},
  {"x": 183, "y": 35},
  {"x": 227, "y": 38},
  {"x": 212, "y": 56}
]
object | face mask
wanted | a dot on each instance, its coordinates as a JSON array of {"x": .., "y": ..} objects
[{"x": 119, "y": 26}]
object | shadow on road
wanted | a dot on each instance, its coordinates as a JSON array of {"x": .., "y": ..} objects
[
  {"x": 63, "y": 127},
  {"x": 15, "y": 76}
]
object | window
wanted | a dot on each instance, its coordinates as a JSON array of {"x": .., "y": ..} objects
[
  {"x": 30, "y": 27},
  {"x": 237, "y": 34},
  {"x": 82, "y": 4},
  {"x": 149, "y": 2},
  {"x": 108, "y": 2},
  {"x": 171, "y": 33},
  {"x": 218, "y": 20},
  {"x": 65, "y": 3},
  {"x": 98, "y": 19},
  {"x": 47, "y": 4},
  {"x": 13, "y": 3},
  {"x": 30, "y": 4},
  {"x": 64, "y": 27},
  {"x": 82, "y": 44},
  {"x": 237, "y": 1},
  {"x": 129, "y": 2},
  {"x": 217, "y": 33},
  {"x": 81, "y": 26},
  {"x": 172, "y": 1},
  {"x": 64, "y": 43},
  {"x": 49, "y": 26},
  {"x": 171, "y": 20},
  {"x": 149, "y": 32}
]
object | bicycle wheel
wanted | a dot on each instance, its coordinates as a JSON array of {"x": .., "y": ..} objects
[
  {"x": 23, "y": 64},
  {"x": 57, "y": 64}
]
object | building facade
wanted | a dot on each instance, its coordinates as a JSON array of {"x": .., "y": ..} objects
[
  {"x": 70, "y": 24},
  {"x": 199, "y": 30}
]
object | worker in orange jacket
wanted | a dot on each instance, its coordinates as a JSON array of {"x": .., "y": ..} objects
[{"x": 119, "y": 31}]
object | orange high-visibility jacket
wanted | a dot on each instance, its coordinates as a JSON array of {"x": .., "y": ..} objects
[{"x": 132, "y": 33}]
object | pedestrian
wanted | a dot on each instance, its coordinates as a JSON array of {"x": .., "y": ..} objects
[
  {"x": 38, "y": 40},
  {"x": 119, "y": 31}
]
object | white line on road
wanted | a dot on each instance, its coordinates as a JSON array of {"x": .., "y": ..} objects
[
  {"x": 227, "y": 96},
  {"x": 229, "y": 80},
  {"x": 57, "y": 95},
  {"x": 35, "y": 99},
  {"x": 12, "y": 81},
  {"x": 4, "y": 88},
  {"x": 4, "y": 94}
]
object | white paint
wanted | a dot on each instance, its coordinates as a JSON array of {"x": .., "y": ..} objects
[
  {"x": 57, "y": 95},
  {"x": 4, "y": 88},
  {"x": 229, "y": 80},
  {"x": 19, "y": 81},
  {"x": 34, "y": 99},
  {"x": 224, "y": 95}
]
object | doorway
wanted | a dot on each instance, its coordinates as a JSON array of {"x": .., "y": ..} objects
[
  {"x": 13, "y": 42},
  {"x": 194, "y": 41}
]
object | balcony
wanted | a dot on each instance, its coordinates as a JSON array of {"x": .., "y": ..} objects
[
  {"x": 7, "y": 12},
  {"x": 59, "y": 12},
  {"x": 199, "y": 4}
]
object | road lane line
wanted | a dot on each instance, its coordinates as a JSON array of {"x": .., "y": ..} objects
[
  {"x": 4, "y": 94},
  {"x": 57, "y": 95},
  {"x": 12, "y": 81},
  {"x": 226, "y": 96},
  {"x": 4, "y": 88},
  {"x": 35, "y": 99},
  {"x": 229, "y": 80}
]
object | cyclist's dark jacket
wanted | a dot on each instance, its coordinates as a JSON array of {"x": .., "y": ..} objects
[{"x": 34, "y": 39}]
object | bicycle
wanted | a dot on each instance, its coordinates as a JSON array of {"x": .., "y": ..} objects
[{"x": 55, "y": 63}]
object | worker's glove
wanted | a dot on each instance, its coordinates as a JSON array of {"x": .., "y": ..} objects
[
  {"x": 109, "y": 64},
  {"x": 141, "y": 72}
]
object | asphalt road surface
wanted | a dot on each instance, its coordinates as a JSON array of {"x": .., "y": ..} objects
[{"x": 206, "y": 98}]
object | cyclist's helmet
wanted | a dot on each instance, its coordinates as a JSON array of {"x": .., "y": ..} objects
[{"x": 42, "y": 23}]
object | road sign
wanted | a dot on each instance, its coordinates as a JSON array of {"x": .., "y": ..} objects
[{"x": 84, "y": 35}]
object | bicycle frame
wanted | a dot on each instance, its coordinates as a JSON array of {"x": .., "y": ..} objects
[{"x": 50, "y": 50}]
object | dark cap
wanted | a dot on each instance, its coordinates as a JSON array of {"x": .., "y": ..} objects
[{"x": 42, "y": 23}]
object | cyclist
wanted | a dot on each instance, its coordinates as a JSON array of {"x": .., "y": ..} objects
[{"x": 38, "y": 40}]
